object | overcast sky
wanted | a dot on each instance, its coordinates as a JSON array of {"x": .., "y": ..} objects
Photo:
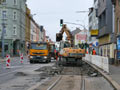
[{"x": 49, "y": 12}]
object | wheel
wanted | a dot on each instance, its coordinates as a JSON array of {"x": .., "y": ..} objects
[
  {"x": 50, "y": 60},
  {"x": 31, "y": 61},
  {"x": 47, "y": 61}
]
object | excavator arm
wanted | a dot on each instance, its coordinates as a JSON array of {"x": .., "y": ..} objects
[{"x": 59, "y": 35}]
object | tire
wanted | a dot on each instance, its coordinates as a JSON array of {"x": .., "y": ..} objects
[
  {"x": 31, "y": 62},
  {"x": 47, "y": 61}
]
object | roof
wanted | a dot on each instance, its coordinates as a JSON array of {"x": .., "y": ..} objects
[{"x": 76, "y": 31}]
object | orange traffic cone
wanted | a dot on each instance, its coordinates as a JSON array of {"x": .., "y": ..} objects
[{"x": 7, "y": 61}]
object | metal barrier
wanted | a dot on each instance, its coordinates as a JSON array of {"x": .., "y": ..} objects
[{"x": 99, "y": 61}]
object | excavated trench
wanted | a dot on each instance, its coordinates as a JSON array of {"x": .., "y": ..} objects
[{"x": 93, "y": 80}]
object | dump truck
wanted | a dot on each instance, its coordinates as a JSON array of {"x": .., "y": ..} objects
[{"x": 39, "y": 52}]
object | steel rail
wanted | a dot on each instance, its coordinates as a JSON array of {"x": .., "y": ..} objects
[
  {"x": 53, "y": 85},
  {"x": 82, "y": 80}
]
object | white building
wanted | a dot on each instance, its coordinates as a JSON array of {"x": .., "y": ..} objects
[
  {"x": 93, "y": 24},
  {"x": 80, "y": 36}
]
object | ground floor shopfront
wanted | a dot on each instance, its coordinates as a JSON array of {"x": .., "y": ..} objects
[
  {"x": 12, "y": 47},
  {"x": 108, "y": 50}
]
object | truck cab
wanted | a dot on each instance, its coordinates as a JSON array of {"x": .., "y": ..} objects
[{"x": 39, "y": 52}]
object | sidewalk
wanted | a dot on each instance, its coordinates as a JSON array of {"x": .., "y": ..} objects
[
  {"x": 2, "y": 60},
  {"x": 115, "y": 73},
  {"x": 12, "y": 58}
]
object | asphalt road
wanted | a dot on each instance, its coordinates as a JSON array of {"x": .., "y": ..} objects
[
  {"x": 8, "y": 74},
  {"x": 19, "y": 76}
]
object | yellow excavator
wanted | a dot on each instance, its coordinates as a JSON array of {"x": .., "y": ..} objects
[{"x": 68, "y": 53}]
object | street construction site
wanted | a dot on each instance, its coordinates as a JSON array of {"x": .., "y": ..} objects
[{"x": 72, "y": 77}]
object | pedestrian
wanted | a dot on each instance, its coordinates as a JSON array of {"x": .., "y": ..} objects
[{"x": 93, "y": 52}]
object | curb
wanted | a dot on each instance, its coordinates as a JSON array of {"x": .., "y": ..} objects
[{"x": 107, "y": 77}]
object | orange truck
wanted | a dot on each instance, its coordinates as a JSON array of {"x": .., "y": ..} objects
[{"x": 39, "y": 52}]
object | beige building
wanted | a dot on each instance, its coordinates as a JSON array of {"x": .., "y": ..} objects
[{"x": 27, "y": 28}]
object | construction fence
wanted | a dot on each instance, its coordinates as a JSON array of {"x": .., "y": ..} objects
[{"x": 99, "y": 61}]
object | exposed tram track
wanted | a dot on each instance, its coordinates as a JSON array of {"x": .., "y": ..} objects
[
  {"x": 71, "y": 72},
  {"x": 82, "y": 77}
]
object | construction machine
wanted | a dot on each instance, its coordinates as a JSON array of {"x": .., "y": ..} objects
[
  {"x": 39, "y": 52},
  {"x": 68, "y": 53}
]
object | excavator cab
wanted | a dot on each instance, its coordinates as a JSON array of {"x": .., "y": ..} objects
[{"x": 59, "y": 37}]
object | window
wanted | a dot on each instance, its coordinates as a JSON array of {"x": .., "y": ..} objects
[
  {"x": 4, "y": 14},
  {"x": 4, "y": 2},
  {"x": 6, "y": 47},
  {"x": 4, "y": 29},
  {"x": 15, "y": 2},
  {"x": 119, "y": 2},
  {"x": 14, "y": 15},
  {"x": 14, "y": 30}
]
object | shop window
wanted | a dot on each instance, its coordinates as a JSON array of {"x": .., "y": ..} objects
[
  {"x": 21, "y": 45},
  {"x": 6, "y": 47},
  {"x": 108, "y": 50}
]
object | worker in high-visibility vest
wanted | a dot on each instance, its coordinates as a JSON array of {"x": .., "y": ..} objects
[
  {"x": 93, "y": 52},
  {"x": 86, "y": 52}
]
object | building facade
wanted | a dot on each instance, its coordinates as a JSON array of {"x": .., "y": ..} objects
[
  {"x": 93, "y": 26},
  {"x": 116, "y": 22},
  {"x": 42, "y": 34},
  {"x": 106, "y": 32},
  {"x": 33, "y": 30},
  {"x": 12, "y": 16},
  {"x": 27, "y": 29},
  {"x": 36, "y": 34},
  {"x": 79, "y": 36}
]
